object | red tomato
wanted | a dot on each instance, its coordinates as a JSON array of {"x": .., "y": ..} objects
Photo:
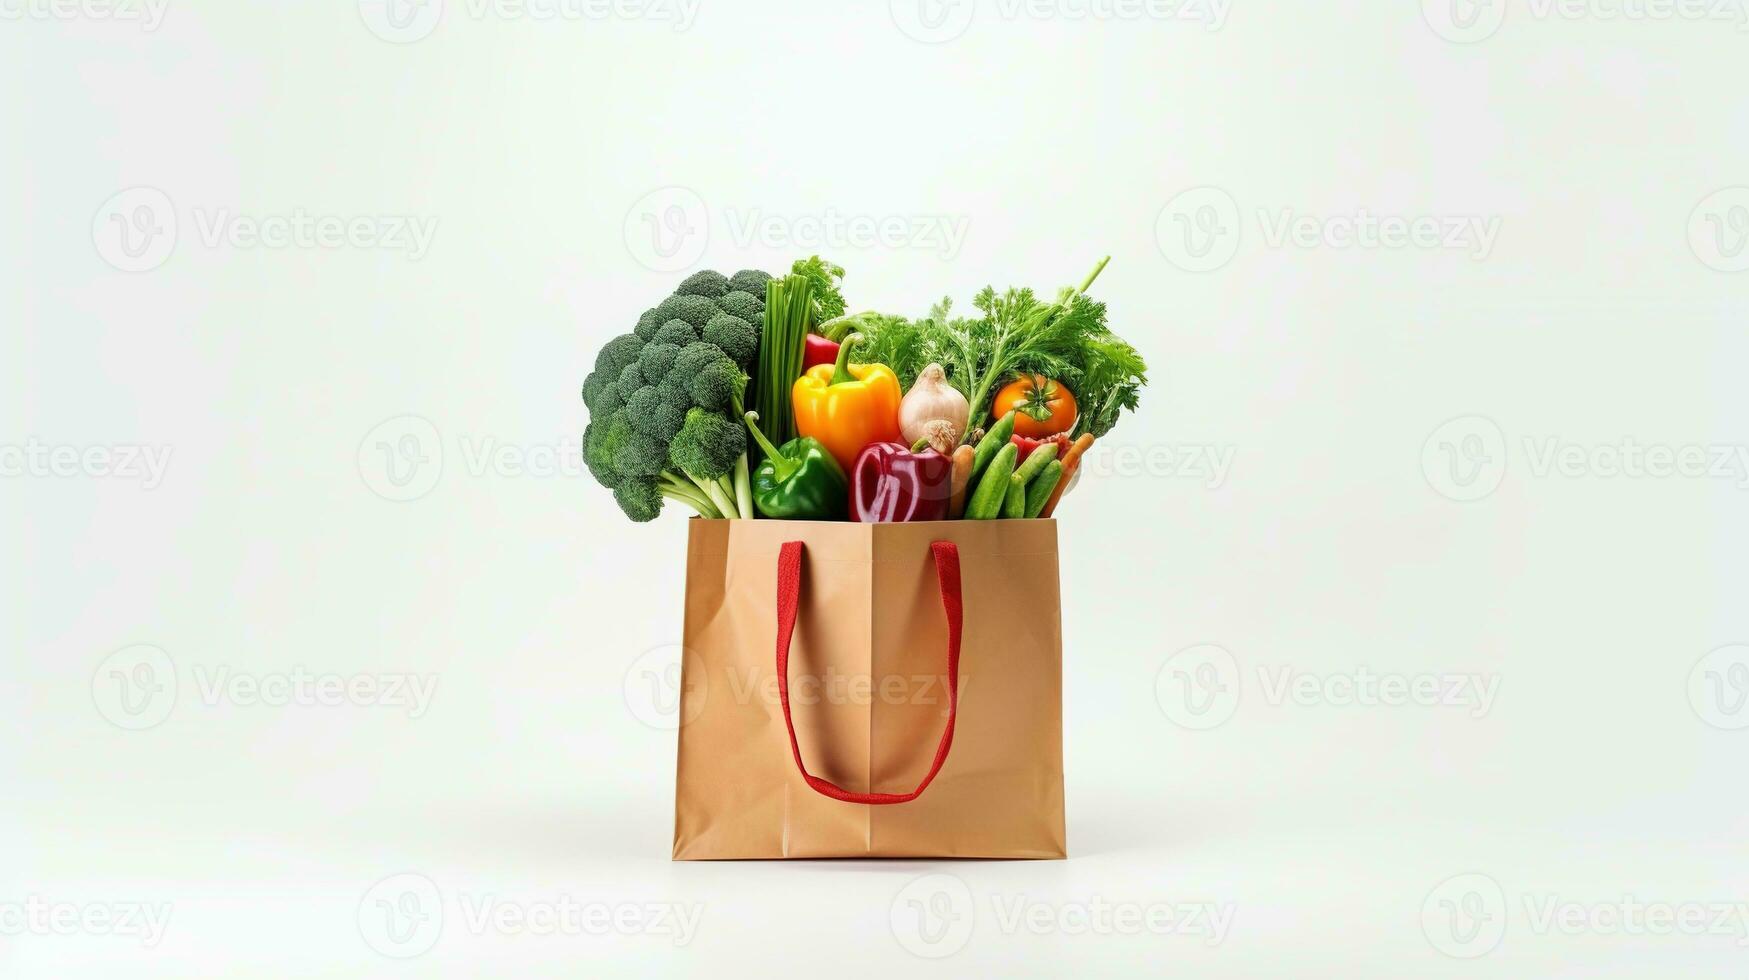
[{"x": 1042, "y": 407}]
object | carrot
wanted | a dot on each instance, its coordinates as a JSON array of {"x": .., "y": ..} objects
[
  {"x": 962, "y": 475},
  {"x": 1071, "y": 461}
]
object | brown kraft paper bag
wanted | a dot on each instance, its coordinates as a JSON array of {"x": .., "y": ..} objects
[{"x": 899, "y": 766}]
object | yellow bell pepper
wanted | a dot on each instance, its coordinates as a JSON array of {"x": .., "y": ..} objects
[{"x": 848, "y": 406}]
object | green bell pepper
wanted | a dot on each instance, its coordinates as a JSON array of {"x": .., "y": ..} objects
[{"x": 798, "y": 481}]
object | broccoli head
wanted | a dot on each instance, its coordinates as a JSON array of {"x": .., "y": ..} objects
[
  {"x": 664, "y": 399},
  {"x": 708, "y": 444},
  {"x": 748, "y": 306},
  {"x": 708, "y": 284},
  {"x": 735, "y": 336}
]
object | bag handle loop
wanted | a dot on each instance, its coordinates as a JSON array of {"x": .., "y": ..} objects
[{"x": 789, "y": 594}]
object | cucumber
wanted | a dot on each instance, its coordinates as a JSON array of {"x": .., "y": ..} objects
[
  {"x": 1014, "y": 502},
  {"x": 1040, "y": 458},
  {"x": 999, "y": 435},
  {"x": 987, "y": 499},
  {"x": 1038, "y": 492}
]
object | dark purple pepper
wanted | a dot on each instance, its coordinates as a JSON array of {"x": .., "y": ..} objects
[{"x": 890, "y": 483}]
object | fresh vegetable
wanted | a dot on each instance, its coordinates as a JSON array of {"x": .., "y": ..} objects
[
  {"x": 931, "y": 398},
  {"x": 992, "y": 487},
  {"x": 782, "y": 346},
  {"x": 1044, "y": 407},
  {"x": 962, "y": 477},
  {"x": 848, "y": 406},
  {"x": 798, "y": 480},
  {"x": 1035, "y": 463},
  {"x": 828, "y": 298},
  {"x": 1071, "y": 461},
  {"x": 941, "y": 436},
  {"x": 818, "y": 350},
  {"x": 659, "y": 400},
  {"x": 1028, "y": 446},
  {"x": 1017, "y": 333},
  {"x": 1039, "y": 491},
  {"x": 1014, "y": 501},
  {"x": 893, "y": 483},
  {"x": 992, "y": 443}
]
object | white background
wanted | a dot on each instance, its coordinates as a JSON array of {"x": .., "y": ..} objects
[{"x": 372, "y": 475}]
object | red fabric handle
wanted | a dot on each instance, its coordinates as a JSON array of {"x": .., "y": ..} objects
[{"x": 789, "y": 595}]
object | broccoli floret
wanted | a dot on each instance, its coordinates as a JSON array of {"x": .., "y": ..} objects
[
  {"x": 617, "y": 353},
  {"x": 597, "y": 457},
  {"x": 592, "y": 386},
  {"x": 609, "y": 400},
  {"x": 750, "y": 281},
  {"x": 647, "y": 324},
  {"x": 693, "y": 360},
  {"x": 748, "y": 306},
  {"x": 615, "y": 450},
  {"x": 696, "y": 310},
  {"x": 735, "y": 336},
  {"x": 658, "y": 411},
  {"x": 676, "y": 332},
  {"x": 718, "y": 386},
  {"x": 708, "y": 444},
  {"x": 631, "y": 378},
  {"x": 656, "y": 360},
  {"x": 639, "y": 498},
  {"x": 708, "y": 284}
]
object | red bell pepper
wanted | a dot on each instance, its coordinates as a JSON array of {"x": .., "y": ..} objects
[
  {"x": 817, "y": 350},
  {"x": 890, "y": 483}
]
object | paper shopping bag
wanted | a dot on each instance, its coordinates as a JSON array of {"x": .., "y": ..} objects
[{"x": 871, "y": 690}]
